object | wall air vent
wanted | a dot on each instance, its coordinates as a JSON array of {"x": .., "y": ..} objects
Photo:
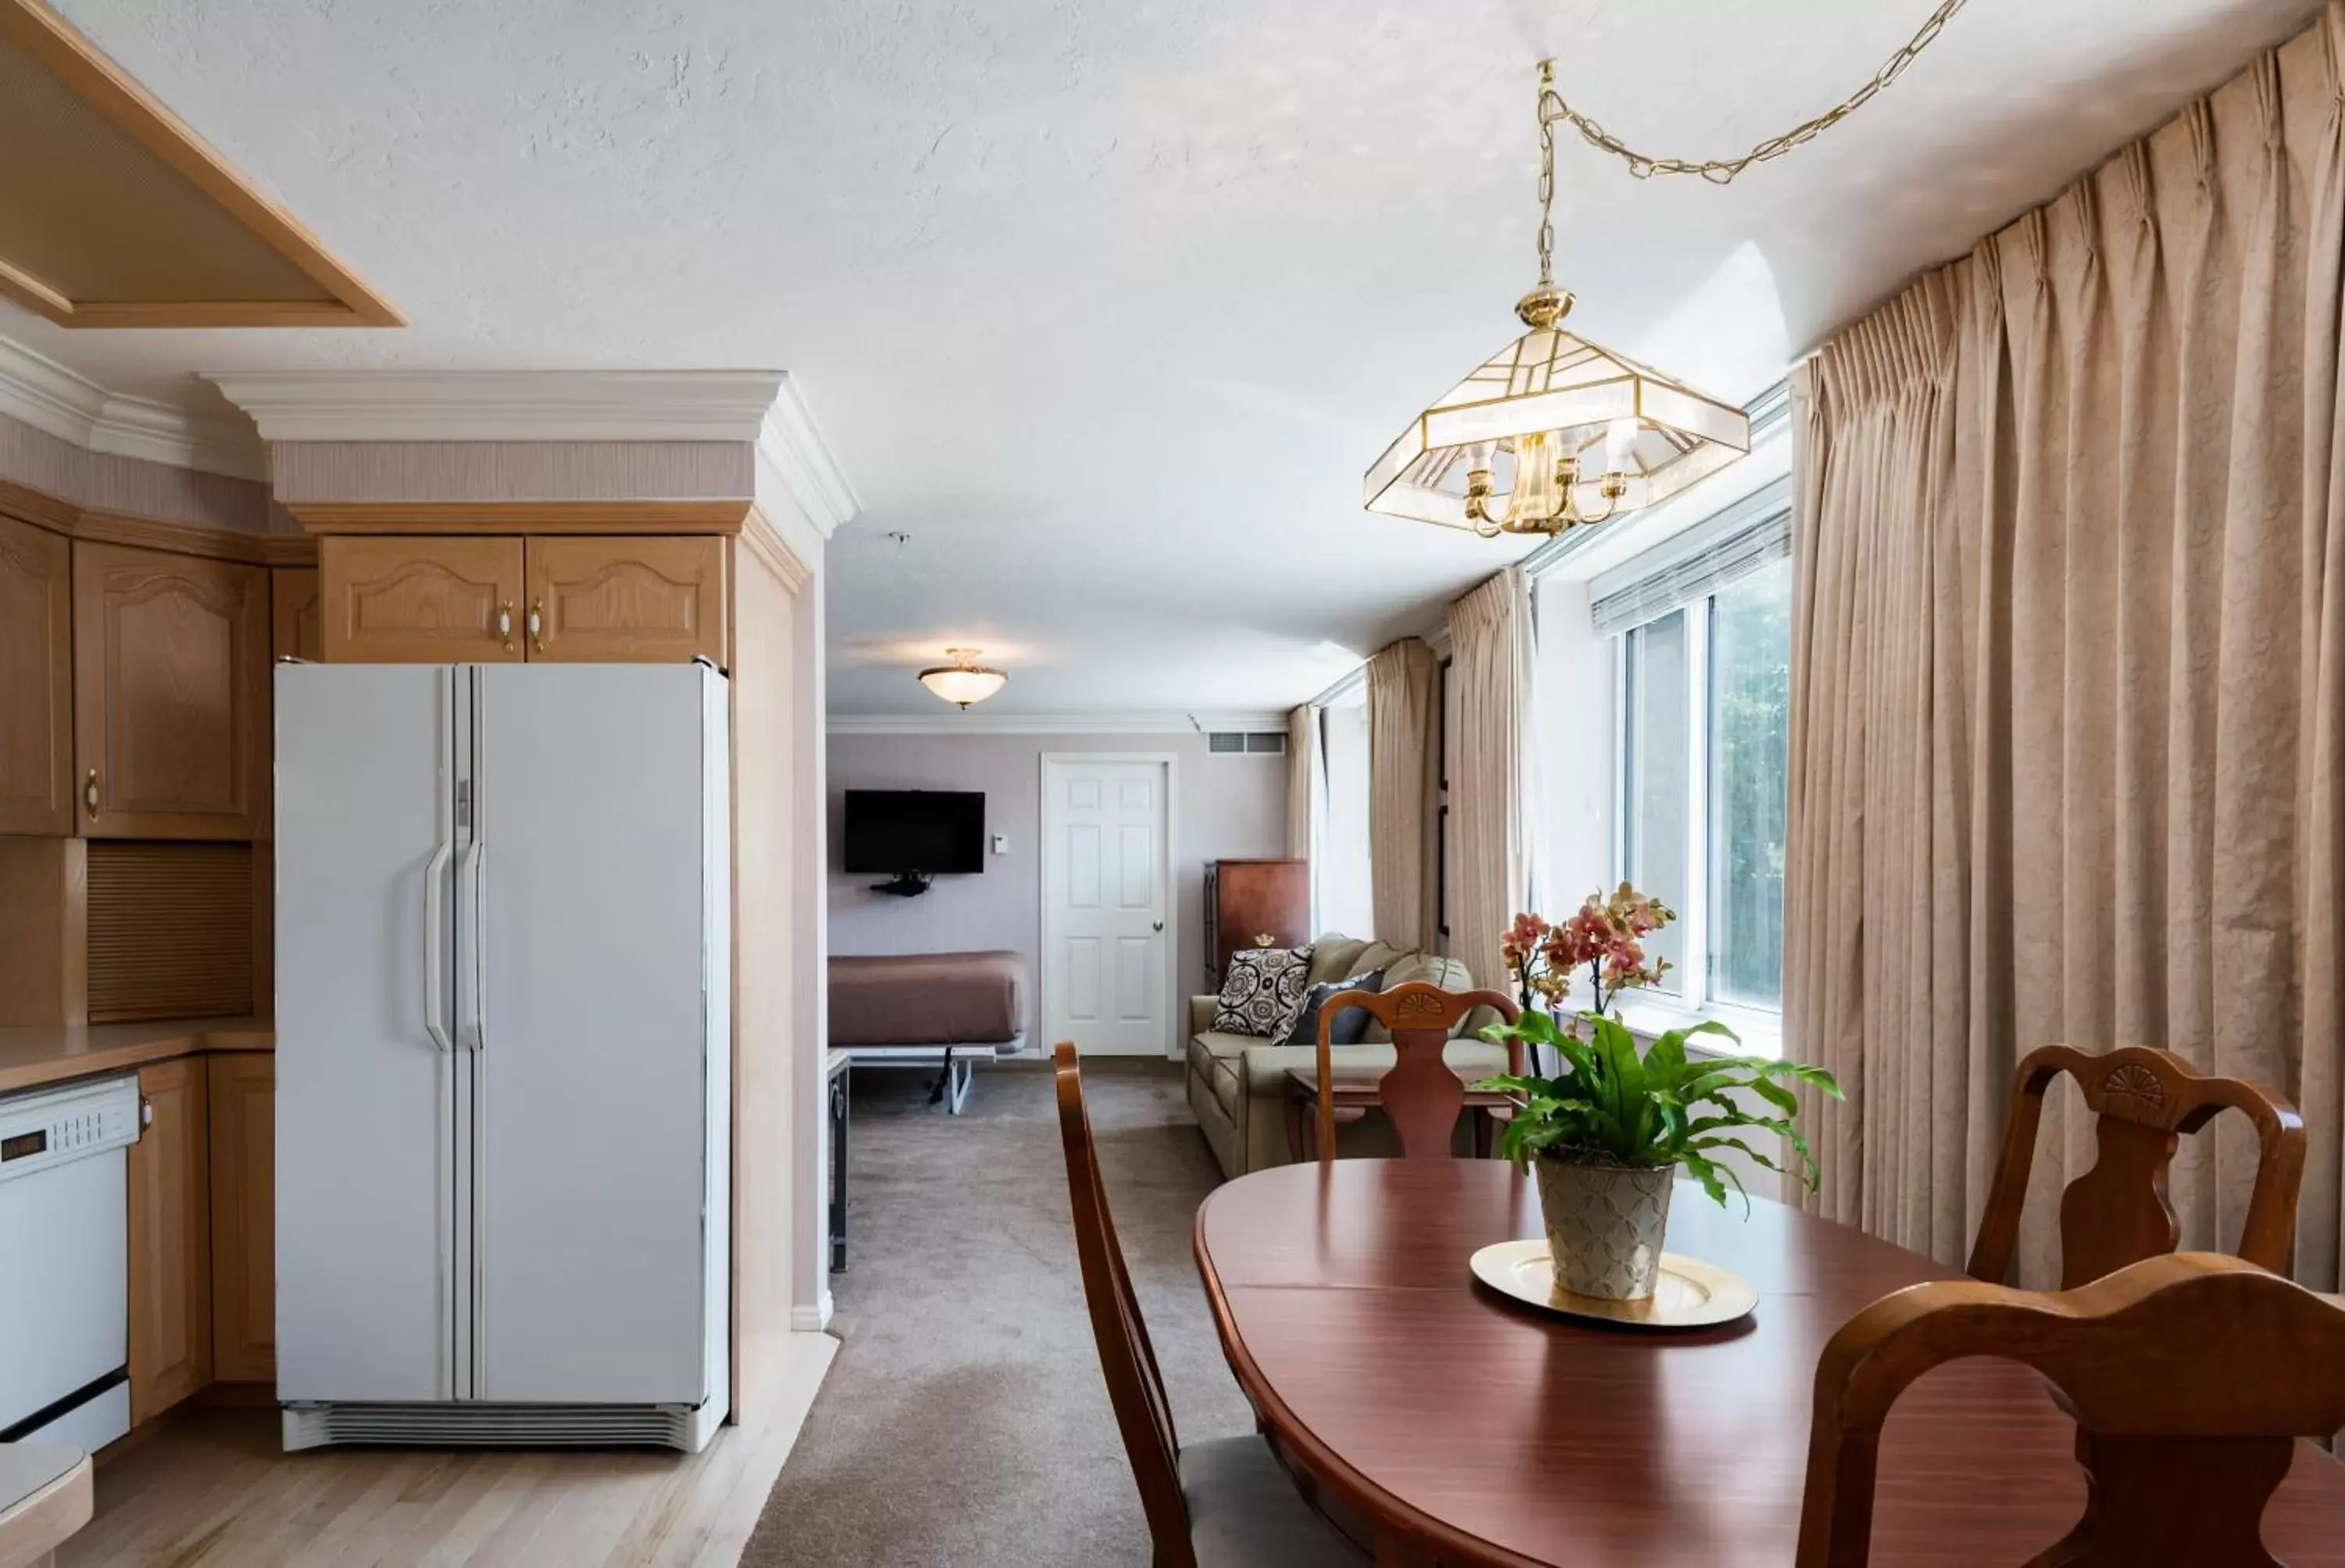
[{"x": 1246, "y": 743}]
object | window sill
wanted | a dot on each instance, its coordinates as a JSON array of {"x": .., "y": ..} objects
[{"x": 1757, "y": 1034}]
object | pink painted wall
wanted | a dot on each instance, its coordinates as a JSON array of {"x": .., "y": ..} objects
[{"x": 1225, "y": 807}]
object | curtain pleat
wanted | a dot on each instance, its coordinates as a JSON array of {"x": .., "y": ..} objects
[
  {"x": 1491, "y": 814},
  {"x": 2069, "y": 661},
  {"x": 1404, "y": 787},
  {"x": 1303, "y": 792}
]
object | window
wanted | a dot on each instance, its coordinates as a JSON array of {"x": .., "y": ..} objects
[
  {"x": 1656, "y": 784},
  {"x": 1705, "y": 706},
  {"x": 1342, "y": 872},
  {"x": 1750, "y": 736}
]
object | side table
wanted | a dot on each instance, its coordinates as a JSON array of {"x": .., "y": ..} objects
[{"x": 1356, "y": 1091}]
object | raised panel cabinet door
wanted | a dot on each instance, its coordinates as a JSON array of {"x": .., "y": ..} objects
[
  {"x": 242, "y": 1086},
  {"x": 626, "y": 600},
  {"x": 170, "y": 694},
  {"x": 170, "y": 1239},
  {"x": 296, "y": 629},
  {"x": 36, "y": 680},
  {"x": 436, "y": 600}
]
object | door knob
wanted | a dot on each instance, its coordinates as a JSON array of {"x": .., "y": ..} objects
[{"x": 1156, "y": 925}]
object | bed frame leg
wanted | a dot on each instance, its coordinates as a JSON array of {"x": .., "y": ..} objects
[{"x": 951, "y": 1087}]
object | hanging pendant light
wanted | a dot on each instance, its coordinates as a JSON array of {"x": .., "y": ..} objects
[
  {"x": 964, "y": 680},
  {"x": 1552, "y": 432}
]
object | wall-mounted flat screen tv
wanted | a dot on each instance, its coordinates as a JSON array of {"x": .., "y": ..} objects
[{"x": 937, "y": 831}]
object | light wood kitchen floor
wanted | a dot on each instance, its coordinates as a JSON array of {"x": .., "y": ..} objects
[{"x": 212, "y": 1489}]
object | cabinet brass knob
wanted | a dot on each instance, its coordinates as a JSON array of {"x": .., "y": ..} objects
[
  {"x": 537, "y": 626},
  {"x": 1264, "y": 939},
  {"x": 89, "y": 794},
  {"x": 505, "y": 624}
]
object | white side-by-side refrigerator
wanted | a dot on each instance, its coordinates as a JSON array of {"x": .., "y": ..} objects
[{"x": 503, "y": 1017}]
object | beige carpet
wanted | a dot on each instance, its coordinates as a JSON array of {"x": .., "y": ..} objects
[{"x": 965, "y": 1422}]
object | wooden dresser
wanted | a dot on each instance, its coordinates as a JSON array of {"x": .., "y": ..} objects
[{"x": 1254, "y": 903}]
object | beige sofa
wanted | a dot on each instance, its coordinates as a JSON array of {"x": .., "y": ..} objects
[{"x": 1237, "y": 1082}]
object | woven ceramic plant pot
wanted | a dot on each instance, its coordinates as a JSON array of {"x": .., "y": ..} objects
[{"x": 1604, "y": 1225}]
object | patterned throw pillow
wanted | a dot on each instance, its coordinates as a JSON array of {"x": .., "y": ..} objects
[
  {"x": 1261, "y": 990},
  {"x": 1350, "y": 1023}
]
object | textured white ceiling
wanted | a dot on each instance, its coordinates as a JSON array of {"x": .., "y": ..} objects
[{"x": 1107, "y": 304}]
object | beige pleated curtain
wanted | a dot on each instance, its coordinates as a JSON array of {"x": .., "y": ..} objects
[
  {"x": 1305, "y": 794},
  {"x": 2068, "y": 662},
  {"x": 1403, "y": 789},
  {"x": 1490, "y": 815}
]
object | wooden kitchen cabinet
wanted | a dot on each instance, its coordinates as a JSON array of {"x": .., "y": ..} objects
[
  {"x": 296, "y": 630},
  {"x": 604, "y": 599},
  {"x": 242, "y": 1090},
  {"x": 431, "y": 599},
  {"x": 37, "y": 794},
  {"x": 170, "y": 674},
  {"x": 170, "y": 1239}
]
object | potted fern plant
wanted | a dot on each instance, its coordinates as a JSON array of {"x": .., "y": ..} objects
[{"x": 1604, "y": 1137}]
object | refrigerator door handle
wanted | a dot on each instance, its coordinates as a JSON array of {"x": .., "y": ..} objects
[
  {"x": 472, "y": 1005},
  {"x": 435, "y": 936}
]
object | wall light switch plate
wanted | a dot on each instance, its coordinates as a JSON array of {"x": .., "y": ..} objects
[{"x": 1001, "y": 843}]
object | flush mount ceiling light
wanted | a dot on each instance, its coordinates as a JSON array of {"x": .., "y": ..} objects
[
  {"x": 964, "y": 680},
  {"x": 1553, "y": 432}
]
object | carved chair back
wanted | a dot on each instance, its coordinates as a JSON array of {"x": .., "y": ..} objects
[
  {"x": 1420, "y": 1093},
  {"x": 2116, "y": 1213},
  {"x": 1135, "y": 1389},
  {"x": 2186, "y": 1374}
]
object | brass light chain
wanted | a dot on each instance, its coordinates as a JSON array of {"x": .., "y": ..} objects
[
  {"x": 1547, "y": 176},
  {"x": 1716, "y": 170}
]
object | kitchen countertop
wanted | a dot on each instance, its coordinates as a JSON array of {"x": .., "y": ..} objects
[
  {"x": 45, "y": 1496},
  {"x": 32, "y": 1055}
]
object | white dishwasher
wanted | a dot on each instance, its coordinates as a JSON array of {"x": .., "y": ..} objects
[{"x": 65, "y": 1251}]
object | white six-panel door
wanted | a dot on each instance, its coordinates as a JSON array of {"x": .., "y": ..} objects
[{"x": 1107, "y": 904}]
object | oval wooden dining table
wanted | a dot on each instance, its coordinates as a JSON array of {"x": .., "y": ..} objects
[{"x": 1461, "y": 1427}]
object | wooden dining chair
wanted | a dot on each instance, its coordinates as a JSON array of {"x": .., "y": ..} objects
[
  {"x": 2116, "y": 1213},
  {"x": 1223, "y": 1503},
  {"x": 1420, "y": 1093},
  {"x": 2187, "y": 1376}
]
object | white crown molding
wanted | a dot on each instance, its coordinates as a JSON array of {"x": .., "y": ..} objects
[
  {"x": 1342, "y": 688},
  {"x": 979, "y": 722},
  {"x": 505, "y": 406},
  {"x": 68, "y": 405},
  {"x": 793, "y": 460}
]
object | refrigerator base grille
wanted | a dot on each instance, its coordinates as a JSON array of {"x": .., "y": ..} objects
[{"x": 481, "y": 1424}]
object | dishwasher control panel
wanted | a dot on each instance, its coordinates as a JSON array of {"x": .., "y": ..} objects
[{"x": 45, "y": 1128}]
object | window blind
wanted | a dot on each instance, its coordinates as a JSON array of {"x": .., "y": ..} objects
[{"x": 1736, "y": 553}]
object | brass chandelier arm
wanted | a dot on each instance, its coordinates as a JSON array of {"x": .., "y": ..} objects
[{"x": 1722, "y": 171}]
